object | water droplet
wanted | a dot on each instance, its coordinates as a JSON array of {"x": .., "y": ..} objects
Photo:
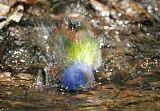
[
  {"x": 106, "y": 27},
  {"x": 120, "y": 22},
  {"x": 148, "y": 34},
  {"x": 119, "y": 14}
]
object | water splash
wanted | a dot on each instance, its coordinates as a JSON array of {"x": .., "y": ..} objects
[{"x": 56, "y": 45}]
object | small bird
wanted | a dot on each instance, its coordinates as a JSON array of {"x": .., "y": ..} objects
[
  {"x": 76, "y": 54},
  {"x": 78, "y": 72},
  {"x": 79, "y": 54}
]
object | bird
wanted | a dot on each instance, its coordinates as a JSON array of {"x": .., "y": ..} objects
[
  {"x": 76, "y": 54},
  {"x": 78, "y": 72}
]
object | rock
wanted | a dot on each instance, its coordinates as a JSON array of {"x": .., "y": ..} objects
[{"x": 25, "y": 76}]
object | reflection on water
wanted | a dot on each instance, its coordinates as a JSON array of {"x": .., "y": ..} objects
[{"x": 21, "y": 95}]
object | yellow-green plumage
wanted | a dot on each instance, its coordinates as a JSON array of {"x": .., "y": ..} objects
[{"x": 83, "y": 51}]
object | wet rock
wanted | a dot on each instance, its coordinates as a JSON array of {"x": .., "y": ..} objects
[
  {"x": 130, "y": 51},
  {"x": 5, "y": 77},
  {"x": 19, "y": 51},
  {"x": 25, "y": 76},
  {"x": 4, "y": 9}
]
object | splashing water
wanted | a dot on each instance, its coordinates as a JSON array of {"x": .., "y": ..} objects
[
  {"x": 62, "y": 47},
  {"x": 129, "y": 43}
]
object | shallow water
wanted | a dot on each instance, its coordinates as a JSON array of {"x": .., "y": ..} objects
[
  {"x": 128, "y": 79},
  {"x": 107, "y": 98}
]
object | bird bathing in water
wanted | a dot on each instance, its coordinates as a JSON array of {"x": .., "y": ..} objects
[{"x": 77, "y": 56}]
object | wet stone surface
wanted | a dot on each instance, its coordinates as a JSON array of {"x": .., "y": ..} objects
[
  {"x": 17, "y": 94},
  {"x": 125, "y": 82},
  {"x": 128, "y": 79}
]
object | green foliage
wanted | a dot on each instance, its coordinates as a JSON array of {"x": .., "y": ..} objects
[{"x": 83, "y": 51}]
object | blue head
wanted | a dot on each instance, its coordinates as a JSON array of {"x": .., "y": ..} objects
[{"x": 78, "y": 76}]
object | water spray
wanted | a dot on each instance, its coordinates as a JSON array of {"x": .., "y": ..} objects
[{"x": 75, "y": 56}]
